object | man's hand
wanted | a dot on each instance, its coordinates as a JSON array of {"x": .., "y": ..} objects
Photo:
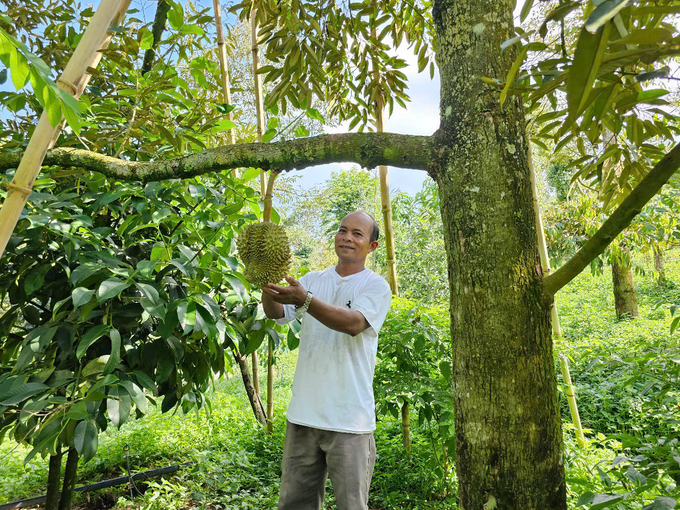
[{"x": 294, "y": 294}]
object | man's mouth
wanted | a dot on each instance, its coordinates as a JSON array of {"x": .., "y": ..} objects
[{"x": 346, "y": 247}]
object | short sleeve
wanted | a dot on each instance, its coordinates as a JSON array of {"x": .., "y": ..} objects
[
  {"x": 374, "y": 302},
  {"x": 289, "y": 310}
]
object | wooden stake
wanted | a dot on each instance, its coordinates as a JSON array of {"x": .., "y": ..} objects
[
  {"x": 571, "y": 398},
  {"x": 73, "y": 80},
  {"x": 222, "y": 54}
]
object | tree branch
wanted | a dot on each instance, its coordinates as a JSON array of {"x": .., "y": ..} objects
[
  {"x": 617, "y": 222},
  {"x": 367, "y": 149},
  {"x": 157, "y": 32}
]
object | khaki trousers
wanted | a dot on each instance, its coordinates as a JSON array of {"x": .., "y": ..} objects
[{"x": 310, "y": 455}]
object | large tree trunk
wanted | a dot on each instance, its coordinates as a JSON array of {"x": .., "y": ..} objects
[
  {"x": 508, "y": 429},
  {"x": 625, "y": 299}
]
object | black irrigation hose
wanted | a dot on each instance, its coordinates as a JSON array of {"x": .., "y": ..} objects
[{"x": 113, "y": 482}]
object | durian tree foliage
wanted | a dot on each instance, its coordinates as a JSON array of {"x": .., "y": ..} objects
[
  {"x": 507, "y": 426},
  {"x": 116, "y": 296}
]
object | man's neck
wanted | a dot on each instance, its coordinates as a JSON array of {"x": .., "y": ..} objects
[{"x": 349, "y": 268}]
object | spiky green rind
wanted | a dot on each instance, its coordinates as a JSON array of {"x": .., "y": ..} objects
[{"x": 265, "y": 251}]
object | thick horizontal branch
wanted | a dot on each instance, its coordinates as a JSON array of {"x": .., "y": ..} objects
[
  {"x": 617, "y": 222},
  {"x": 367, "y": 149}
]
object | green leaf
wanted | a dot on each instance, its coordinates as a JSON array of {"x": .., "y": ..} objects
[
  {"x": 80, "y": 296},
  {"x": 446, "y": 369},
  {"x": 301, "y": 131},
  {"x": 314, "y": 114},
  {"x": 19, "y": 68},
  {"x": 604, "y": 13},
  {"x": 590, "y": 50},
  {"x": 110, "y": 288},
  {"x": 510, "y": 79},
  {"x": 96, "y": 366},
  {"x": 145, "y": 380},
  {"x": 176, "y": 16},
  {"x": 21, "y": 393},
  {"x": 605, "y": 500},
  {"x": 585, "y": 499},
  {"x": 149, "y": 291},
  {"x": 525, "y": 9},
  {"x": 86, "y": 439},
  {"x": 269, "y": 135},
  {"x": 238, "y": 287},
  {"x": 118, "y": 406},
  {"x": 250, "y": 174},
  {"x": 137, "y": 395},
  {"x": 91, "y": 337},
  {"x": 114, "y": 357},
  {"x": 224, "y": 108},
  {"x": 156, "y": 310},
  {"x": 292, "y": 340},
  {"x": 186, "y": 313},
  {"x": 52, "y": 106},
  {"x": 646, "y": 36},
  {"x": 147, "y": 40},
  {"x": 72, "y": 118},
  {"x": 661, "y": 503}
]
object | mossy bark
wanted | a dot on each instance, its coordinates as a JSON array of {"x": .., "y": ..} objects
[
  {"x": 508, "y": 429},
  {"x": 625, "y": 299}
]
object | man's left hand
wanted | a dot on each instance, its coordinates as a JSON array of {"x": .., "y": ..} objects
[{"x": 294, "y": 294}]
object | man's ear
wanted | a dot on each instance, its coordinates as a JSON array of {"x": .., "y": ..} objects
[{"x": 372, "y": 246}]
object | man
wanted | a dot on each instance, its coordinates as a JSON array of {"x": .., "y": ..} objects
[{"x": 331, "y": 415}]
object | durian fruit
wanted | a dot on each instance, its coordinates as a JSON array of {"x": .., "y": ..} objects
[{"x": 265, "y": 251}]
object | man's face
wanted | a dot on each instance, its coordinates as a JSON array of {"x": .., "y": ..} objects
[{"x": 353, "y": 239}]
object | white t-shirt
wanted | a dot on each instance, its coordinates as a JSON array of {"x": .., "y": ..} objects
[{"x": 333, "y": 383}]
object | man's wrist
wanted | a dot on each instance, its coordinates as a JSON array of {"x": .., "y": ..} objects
[{"x": 301, "y": 300}]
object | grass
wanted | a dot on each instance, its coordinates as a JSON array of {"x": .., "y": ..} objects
[{"x": 234, "y": 464}]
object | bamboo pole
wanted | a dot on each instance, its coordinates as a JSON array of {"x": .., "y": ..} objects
[
  {"x": 259, "y": 105},
  {"x": 385, "y": 189},
  {"x": 73, "y": 80},
  {"x": 260, "y": 132},
  {"x": 573, "y": 406},
  {"x": 555, "y": 320},
  {"x": 267, "y": 216},
  {"x": 224, "y": 65},
  {"x": 542, "y": 245},
  {"x": 406, "y": 427}
]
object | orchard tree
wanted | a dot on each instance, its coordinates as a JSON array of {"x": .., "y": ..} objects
[{"x": 508, "y": 434}]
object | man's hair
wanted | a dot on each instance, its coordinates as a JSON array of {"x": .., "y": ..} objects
[{"x": 375, "y": 231}]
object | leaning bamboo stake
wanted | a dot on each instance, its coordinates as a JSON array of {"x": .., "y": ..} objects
[
  {"x": 224, "y": 65},
  {"x": 571, "y": 398},
  {"x": 267, "y": 216},
  {"x": 542, "y": 245},
  {"x": 557, "y": 330},
  {"x": 73, "y": 80}
]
